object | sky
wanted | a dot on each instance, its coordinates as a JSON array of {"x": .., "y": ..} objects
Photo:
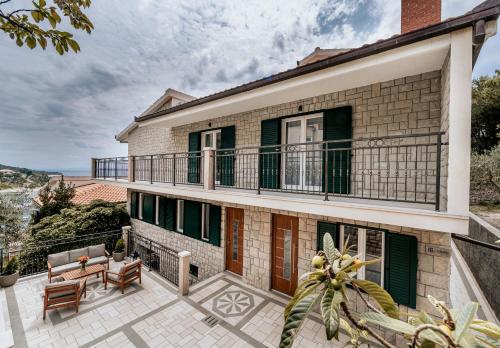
[{"x": 57, "y": 112}]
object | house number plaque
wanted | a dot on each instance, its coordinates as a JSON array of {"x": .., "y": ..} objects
[{"x": 437, "y": 250}]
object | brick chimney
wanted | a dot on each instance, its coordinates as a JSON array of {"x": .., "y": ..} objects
[{"x": 416, "y": 14}]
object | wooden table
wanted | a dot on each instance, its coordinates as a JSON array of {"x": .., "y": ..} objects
[{"x": 88, "y": 271}]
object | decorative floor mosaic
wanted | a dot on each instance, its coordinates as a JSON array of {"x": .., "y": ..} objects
[{"x": 219, "y": 312}]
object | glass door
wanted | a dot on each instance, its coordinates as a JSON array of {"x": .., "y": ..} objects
[
  {"x": 302, "y": 155},
  {"x": 212, "y": 139}
]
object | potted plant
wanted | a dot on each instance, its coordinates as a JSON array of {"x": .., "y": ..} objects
[
  {"x": 119, "y": 252},
  {"x": 10, "y": 273}
]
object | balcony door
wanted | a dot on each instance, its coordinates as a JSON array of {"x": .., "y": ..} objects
[
  {"x": 302, "y": 153},
  {"x": 213, "y": 139}
]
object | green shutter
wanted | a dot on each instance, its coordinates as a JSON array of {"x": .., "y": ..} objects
[
  {"x": 134, "y": 199},
  {"x": 327, "y": 227},
  {"x": 148, "y": 208},
  {"x": 337, "y": 125},
  {"x": 270, "y": 157},
  {"x": 167, "y": 210},
  {"x": 215, "y": 221},
  {"x": 192, "y": 219},
  {"x": 194, "y": 162},
  {"x": 400, "y": 274},
  {"x": 225, "y": 163}
]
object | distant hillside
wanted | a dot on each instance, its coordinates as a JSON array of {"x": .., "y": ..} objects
[{"x": 15, "y": 177}]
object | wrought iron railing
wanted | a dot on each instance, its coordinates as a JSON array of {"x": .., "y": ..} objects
[
  {"x": 33, "y": 256},
  {"x": 155, "y": 256},
  {"x": 111, "y": 168},
  {"x": 403, "y": 168}
]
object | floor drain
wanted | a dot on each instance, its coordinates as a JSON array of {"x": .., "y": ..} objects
[{"x": 210, "y": 320}]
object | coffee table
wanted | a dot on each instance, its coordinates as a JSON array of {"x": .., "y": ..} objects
[{"x": 88, "y": 271}]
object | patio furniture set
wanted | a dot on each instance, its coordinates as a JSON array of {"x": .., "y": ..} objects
[{"x": 68, "y": 272}]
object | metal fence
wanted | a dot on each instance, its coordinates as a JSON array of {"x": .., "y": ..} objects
[
  {"x": 33, "y": 256},
  {"x": 157, "y": 257},
  {"x": 114, "y": 168}
]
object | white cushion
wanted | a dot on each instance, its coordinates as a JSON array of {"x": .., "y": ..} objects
[
  {"x": 97, "y": 250},
  {"x": 65, "y": 268},
  {"x": 97, "y": 260},
  {"x": 58, "y": 259},
  {"x": 76, "y": 253}
]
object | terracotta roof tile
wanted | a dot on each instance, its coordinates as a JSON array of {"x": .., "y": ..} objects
[{"x": 110, "y": 193}]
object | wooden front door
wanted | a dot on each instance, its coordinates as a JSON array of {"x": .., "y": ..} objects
[
  {"x": 234, "y": 240},
  {"x": 285, "y": 250}
]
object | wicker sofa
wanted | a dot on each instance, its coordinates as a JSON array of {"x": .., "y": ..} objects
[{"x": 68, "y": 260}]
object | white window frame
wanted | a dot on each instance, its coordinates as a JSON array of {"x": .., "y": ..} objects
[
  {"x": 140, "y": 205},
  {"x": 180, "y": 219},
  {"x": 213, "y": 133},
  {"x": 205, "y": 209},
  {"x": 303, "y": 137},
  {"x": 157, "y": 210},
  {"x": 361, "y": 242}
]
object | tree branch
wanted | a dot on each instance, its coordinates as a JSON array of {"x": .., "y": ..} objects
[
  {"x": 364, "y": 327},
  {"x": 368, "y": 304},
  {"x": 16, "y": 24},
  {"x": 435, "y": 328},
  {"x": 4, "y": 2}
]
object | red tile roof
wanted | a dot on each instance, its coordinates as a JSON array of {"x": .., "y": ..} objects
[{"x": 110, "y": 193}]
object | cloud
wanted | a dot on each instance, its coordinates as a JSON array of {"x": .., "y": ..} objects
[{"x": 60, "y": 111}]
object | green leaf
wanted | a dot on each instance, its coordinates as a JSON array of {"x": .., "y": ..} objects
[
  {"x": 485, "y": 342},
  {"x": 304, "y": 289},
  {"x": 330, "y": 306},
  {"x": 31, "y": 42},
  {"x": 389, "y": 323},
  {"x": 19, "y": 41},
  {"x": 52, "y": 22},
  {"x": 42, "y": 3},
  {"x": 297, "y": 315},
  {"x": 74, "y": 45},
  {"x": 464, "y": 319},
  {"x": 329, "y": 246},
  {"x": 485, "y": 327},
  {"x": 42, "y": 41},
  {"x": 59, "y": 49},
  {"x": 382, "y": 297}
]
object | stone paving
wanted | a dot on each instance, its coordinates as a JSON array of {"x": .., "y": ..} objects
[{"x": 219, "y": 312}]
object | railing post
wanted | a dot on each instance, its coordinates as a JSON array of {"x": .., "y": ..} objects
[
  {"x": 116, "y": 168},
  {"x": 150, "y": 252},
  {"x": 173, "y": 170},
  {"x": 326, "y": 172},
  {"x": 208, "y": 168},
  {"x": 131, "y": 169},
  {"x": 93, "y": 168},
  {"x": 125, "y": 232},
  {"x": 104, "y": 168},
  {"x": 438, "y": 172},
  {"x": 259, "y": 176},
  {"x": 151, "y": 169},
  {"x": 184, "y": 272}
]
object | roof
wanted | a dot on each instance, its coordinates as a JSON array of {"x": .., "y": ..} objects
[
  {"x": 75, "y": 181},
  {"x": 91, "y": 192},
  {"x": 320, "y": 54},
  {"x": 488, "y": 10}
]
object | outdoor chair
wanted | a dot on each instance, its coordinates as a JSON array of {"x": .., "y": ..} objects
[
  {"x": 126, "y": 275},
  {"x": 64, "y": 294}
]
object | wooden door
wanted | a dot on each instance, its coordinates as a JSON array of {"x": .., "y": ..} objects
[
  {"x": 234, "y": 240},
  {"x": 285, "y": 250}
]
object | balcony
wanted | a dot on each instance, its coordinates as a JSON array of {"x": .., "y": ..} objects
[{"x": 401, "y": 169}]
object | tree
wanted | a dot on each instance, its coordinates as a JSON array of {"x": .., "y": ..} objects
[
  {"x": 327, "y": 285},
  {"x": 54, "y": 200},
  {"x": 11, "y": 217},
  {"x": 23, "y": 26},
  {"x": 485, "y": 112}
]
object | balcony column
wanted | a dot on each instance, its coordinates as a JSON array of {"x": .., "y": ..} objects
[
  {"x": 459, "y": 122},
  {"x": 131, "y": 169},
  {"x": 208, "y": 168},
  {"x": 93, "y": 168},
  {"x": 125, "y": 232},
  {"x": 184, "y": 257}
]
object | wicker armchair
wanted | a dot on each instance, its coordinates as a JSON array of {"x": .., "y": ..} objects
[
  {"x": 64, "y": 294},
  {"x": 126, "y": 275}
]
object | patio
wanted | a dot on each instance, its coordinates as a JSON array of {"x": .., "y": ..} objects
[{"x": 219, "y": 312}]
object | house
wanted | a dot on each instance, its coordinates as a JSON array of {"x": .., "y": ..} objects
[{"x": 370, "y": 143}]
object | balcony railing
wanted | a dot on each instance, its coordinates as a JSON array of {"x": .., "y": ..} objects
[{"x": 403, "y": 168}]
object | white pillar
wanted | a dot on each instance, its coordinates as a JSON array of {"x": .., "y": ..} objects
[
  {"x": 93, "y": 168},
  {"x": 208, "y": 168},
  {"x": 125, "y": 232},
  {"x": 184, "y": 257},
  {"x": 459, "y": 122}
]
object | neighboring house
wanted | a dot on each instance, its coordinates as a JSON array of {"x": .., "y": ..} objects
[{"x": 371, "y": 143}]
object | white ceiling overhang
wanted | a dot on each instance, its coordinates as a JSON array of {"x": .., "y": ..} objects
[{"x": 416, "y": 58}]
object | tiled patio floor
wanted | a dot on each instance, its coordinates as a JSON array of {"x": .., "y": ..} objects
[{"x": 151, "y": 315}]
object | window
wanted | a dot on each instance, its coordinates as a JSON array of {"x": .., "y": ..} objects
[
  {"x": 369, "y": 245},
  {"x": 180, "y": 215},
  {"x": 303, "y": 163},
  {"x": 205, "y": 221}
]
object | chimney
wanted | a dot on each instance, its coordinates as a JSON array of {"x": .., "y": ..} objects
[{"x": 416, "y": 14}]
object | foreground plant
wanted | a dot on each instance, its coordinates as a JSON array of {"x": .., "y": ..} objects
[{"x": 327, "y": 285}]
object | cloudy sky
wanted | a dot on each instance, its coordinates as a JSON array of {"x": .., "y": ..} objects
[{"x": 58, "y": 112}]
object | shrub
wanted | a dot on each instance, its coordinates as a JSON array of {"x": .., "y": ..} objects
[
  {"x": 485, "y": 177},
  {"x": 11, "y": 267},
  {"x": 120, "y": 246}
]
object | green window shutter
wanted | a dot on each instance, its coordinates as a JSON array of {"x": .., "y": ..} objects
[
  {"x": 225, "y": 164},
  {"x": 215, "y": 221},
  {"x": 400, "y": 273},
  {"x": 194, "y": 162},
  {"x": 192, "y": 219},
  {"x": 134, "y": 200},
  {"x": 327, "y": 227},
  {"x": 337, "y": 125},
  {"x": 270, "y": 157},
  {"x": 167, "y": 210},
  {"x": 148, "y": 208}
]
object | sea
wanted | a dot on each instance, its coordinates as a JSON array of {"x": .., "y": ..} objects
[{"x": 73, "y": 172}]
